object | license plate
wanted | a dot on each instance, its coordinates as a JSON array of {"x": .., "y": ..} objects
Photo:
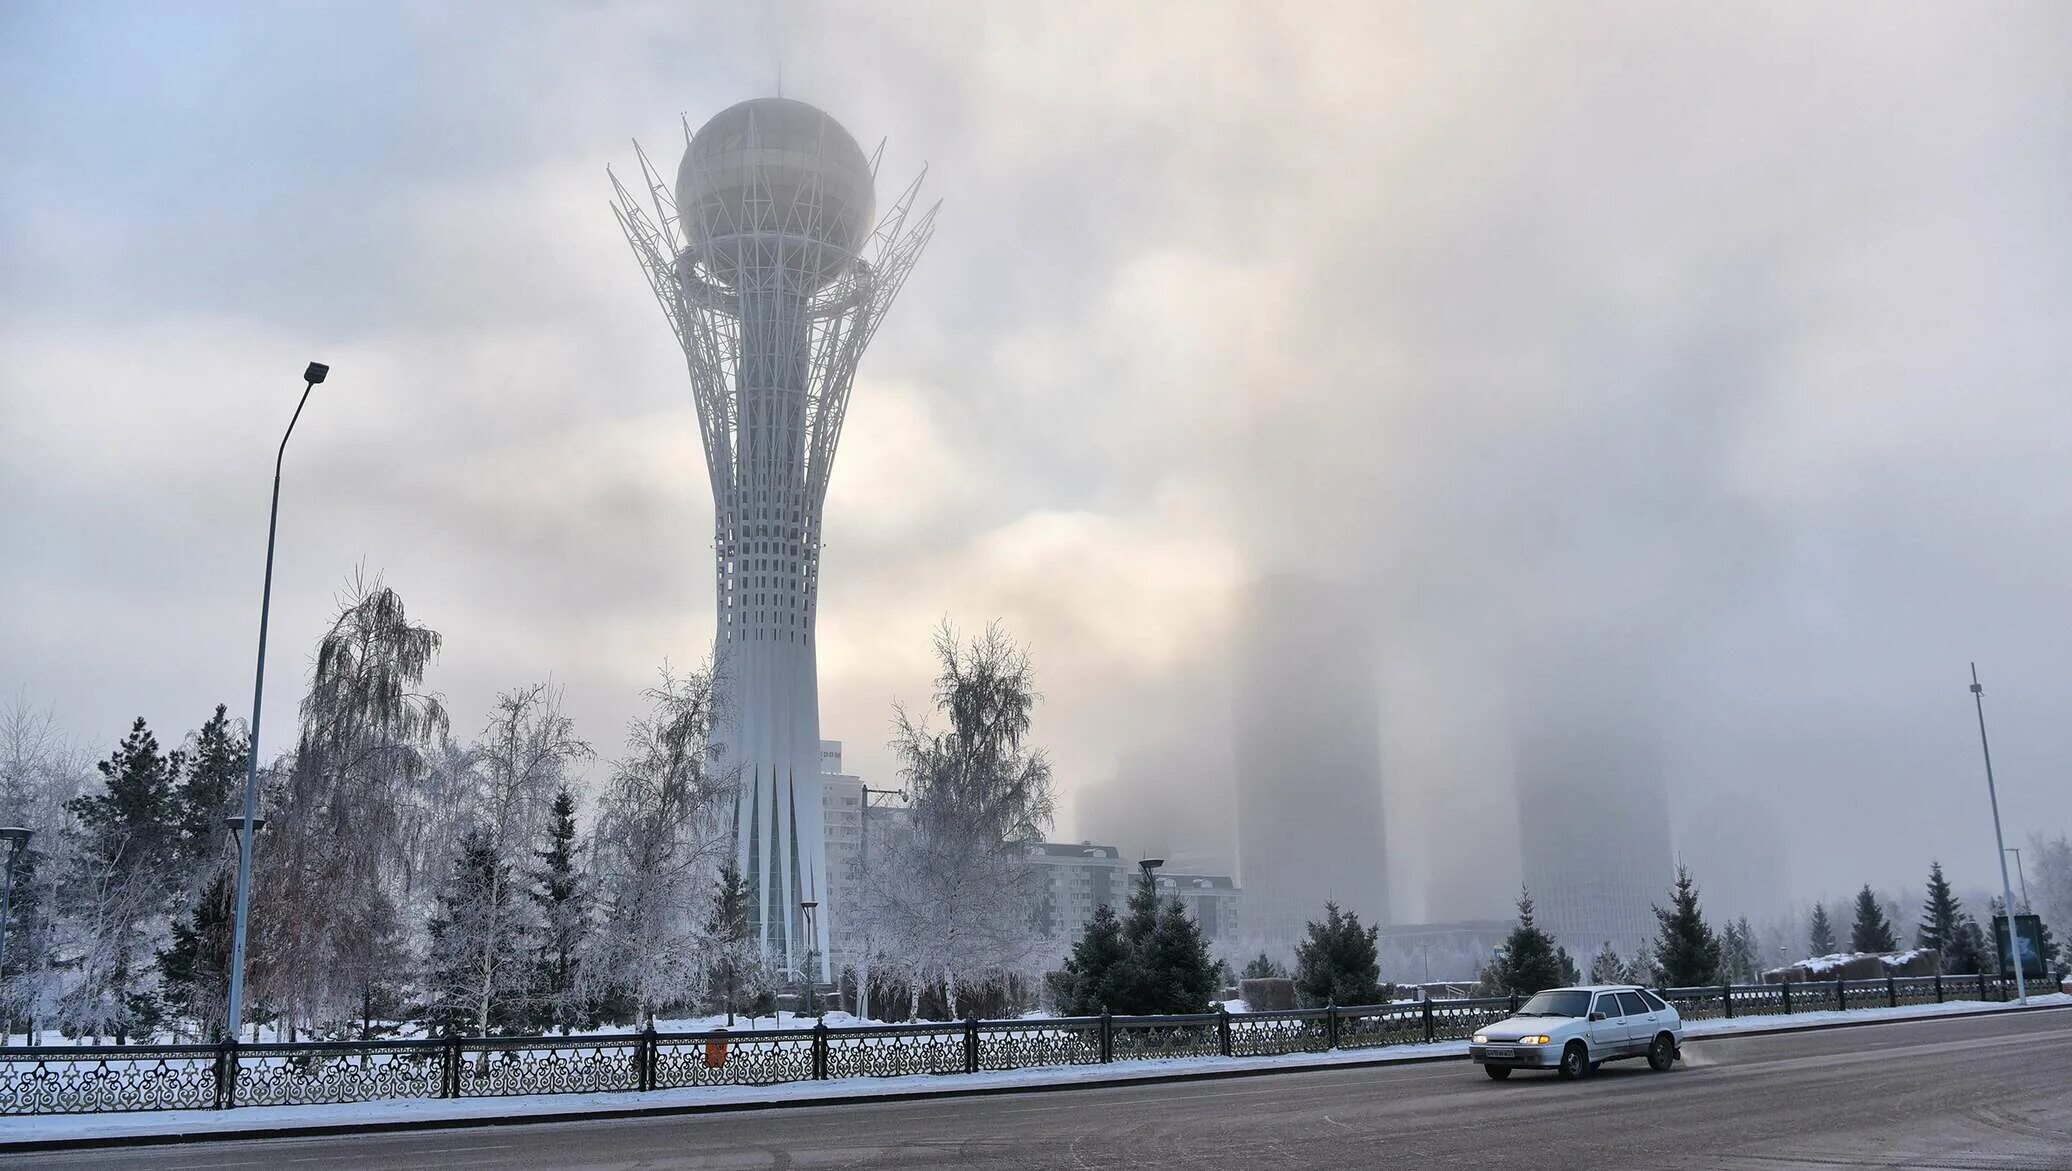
[{"x": 1500, "y": 1051}]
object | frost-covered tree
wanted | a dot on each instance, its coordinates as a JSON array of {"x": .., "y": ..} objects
[
  {"x": 738, "y": 974},
  {"x": 1871, "y": 931},
  {"x": 115, "y": 897},
  {"x": 522, "y": 762},
  {"x": 1739, "y": 961},
  {"x": 470, "y": 924},
  {"x": 948, "y": 903},
  {"x": 1686, "y": 950},
  {"x": 562, "y": 907},
  {"x": 1263, "y": 967},
  {"x": 331, "y": 865},
  {"x": 211, "y": 789},
  {"x": 2051, "y": 885},
  {"x": 1609, "y": 967},
  {"x": 1336, "y": 963},
  {"x": 1820, "y": 936},
  {"x": 663, "y": 831},
  {"x": 40, "y": 774}
]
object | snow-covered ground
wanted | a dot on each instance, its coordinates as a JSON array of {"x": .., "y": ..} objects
[{"x": 289, "y": 1118}]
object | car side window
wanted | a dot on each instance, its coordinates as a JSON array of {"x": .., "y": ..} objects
[
  {"x": 1608, "y": 1004},
  {"x": 1633, "y": 1004},
  {"x": 1653, "y": 1001}
]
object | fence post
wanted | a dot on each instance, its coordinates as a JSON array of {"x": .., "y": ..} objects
[
  {"x": 226, "y": 1073},
  {"x": 1841, "y": 995},
  {"x": 970, "y": 1044},
  {"x": 1514, "y": 1002},
  {"x": 644, "y": 1059},
  {"x": 1726, "y": 1000},
  {"x": 1330, "y": 1026},
  {"x": 1223, "y": 1028},
  {"x": 1107, "y": 1035},
  {"x": 820, "y": 1050},
  {"x": 449, "y": 1071},
  {"x": 1938, "y": 986},
  {"x": 1787, "y": 996},
  {"x": 1891, "y": 991},
  {"x": 1982, "y": 984},
  {"x": 1431, "y": 1026}
]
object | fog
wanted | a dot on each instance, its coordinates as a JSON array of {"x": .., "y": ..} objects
[{"x": 1683, "y": 386}]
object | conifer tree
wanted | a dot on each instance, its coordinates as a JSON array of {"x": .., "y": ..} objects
[
  {"x": 194, "y": 971},
  {"x": 1941, "y": 915},
  {"x": 1820, "y": 940},
  {"x": 1530, "y": 960},
  {"x": 460, "y": 935},
  {"x": 1686, "y": 949},
  {"x": 733, "y": 948},
  {"x": 563, "y": 907},
  {"x": 119, "y": 884},
  {"x": 1871, "y": 932},
  {"x": 1338, "y": 963},
  {"x": 1180, "y": 975},
  {"x": 1739, "y": 962},
  {"x": 1263, "y": 967},
  {"x": 1096, "y": 960},
  {"x": 210, "y": 791},
  {"x": 1968, "y": 949}
]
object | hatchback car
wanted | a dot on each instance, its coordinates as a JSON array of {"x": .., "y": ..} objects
[{"x": 1574, "y": 1030}]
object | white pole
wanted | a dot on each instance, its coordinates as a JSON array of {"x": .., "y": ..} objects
[{"x": 2014, "y": 943}]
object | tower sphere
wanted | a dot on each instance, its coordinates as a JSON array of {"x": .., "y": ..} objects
[{"x": 774, "y": 184}]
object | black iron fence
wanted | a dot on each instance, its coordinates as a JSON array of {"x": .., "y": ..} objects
[{"x": 63, "y": 1079}]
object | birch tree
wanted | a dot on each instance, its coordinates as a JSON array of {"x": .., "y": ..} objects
[{"x": 664, "y": 828}]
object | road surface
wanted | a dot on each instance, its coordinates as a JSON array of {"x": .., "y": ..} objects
[{"x": 1983, "y": 1092}]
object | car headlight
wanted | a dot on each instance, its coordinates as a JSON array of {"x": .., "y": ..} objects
[
  {"x": 1542, "y": 1039},
  {"x": 1482, "y": 1038}
]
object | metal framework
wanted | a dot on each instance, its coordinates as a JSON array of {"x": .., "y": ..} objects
[{"x": 773, "y": 305}]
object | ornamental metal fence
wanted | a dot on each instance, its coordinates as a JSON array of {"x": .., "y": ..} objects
[{"x": 65, "y": 1079}]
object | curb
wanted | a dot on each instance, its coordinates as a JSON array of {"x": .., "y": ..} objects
[{"x": 392, "y": 1126}]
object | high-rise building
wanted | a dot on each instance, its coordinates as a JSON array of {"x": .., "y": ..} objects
[
  {"x": 773, "y": 273},
  {"x": 1075, "y": 878},
  {"x": 1308, "y": 752},
  {"x": 1593, "y": 829},
  {"x": 1212, "y": 900}
]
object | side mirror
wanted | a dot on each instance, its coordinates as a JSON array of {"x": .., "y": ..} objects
[{"x": 1596, "y": 1016}]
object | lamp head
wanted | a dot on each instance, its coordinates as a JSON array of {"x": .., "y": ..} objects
[
  {"x": 1151, "y": 863},
  {"x": 15, "y": 836},
  {"x": 315, "y": 373}
]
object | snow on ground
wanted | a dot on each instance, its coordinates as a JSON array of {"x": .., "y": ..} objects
[{"x": 543, "y": 1107}]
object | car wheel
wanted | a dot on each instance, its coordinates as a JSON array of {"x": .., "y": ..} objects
[
  {"x": 1662, "y": 1054},
  {"x": 1575, "y": 1062},
  {"x": 1497, "y": 1073}
]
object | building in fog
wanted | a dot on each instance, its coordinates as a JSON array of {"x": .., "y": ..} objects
[
  {"x": 1211, "y": 900},
  {"x": 1307, "y": 746},
  {"x": 1076, "y": 878},
  {"x": 842, "y": 812},
  {"x": 1593, "y": 830}
]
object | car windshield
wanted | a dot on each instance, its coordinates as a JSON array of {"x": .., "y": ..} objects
[{"x": 1557, "y": 1004}]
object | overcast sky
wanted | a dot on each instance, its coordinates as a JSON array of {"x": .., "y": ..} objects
[{"x": 1696, "y": 375}]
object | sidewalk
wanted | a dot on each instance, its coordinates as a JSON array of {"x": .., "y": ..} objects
[{"x": 53, "y": 1131}]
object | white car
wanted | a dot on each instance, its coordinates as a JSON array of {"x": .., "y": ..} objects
[{"x": 1573, "y": 1030}]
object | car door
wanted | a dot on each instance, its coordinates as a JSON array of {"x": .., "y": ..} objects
[
  {"x": 1642, "y": 1022},
  {"x": 1608, "y": 1037}
]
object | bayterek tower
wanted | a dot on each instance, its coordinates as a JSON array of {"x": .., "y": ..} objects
[{"x": 774, "y": 273}]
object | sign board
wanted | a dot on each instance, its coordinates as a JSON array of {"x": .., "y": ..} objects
[{"x": 2029, "y": 937}]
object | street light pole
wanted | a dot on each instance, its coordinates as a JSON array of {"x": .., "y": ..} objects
[
  {"x": 2019, "y": 874},
  {"x": 234, "y": 1021},
  {"x": 2014, "y": 946},
  {"x": 17, "y": 839}
]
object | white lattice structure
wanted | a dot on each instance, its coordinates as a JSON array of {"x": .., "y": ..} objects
[{"x": 771, "y": 271}]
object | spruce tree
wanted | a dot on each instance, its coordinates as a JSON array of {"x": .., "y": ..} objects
[
  {"x": 211, "y": 790},
  {"x": 564, "y": 918},
  {"x": 1338, "y": 963},
  {"x": 1530, "y": 961},
  {"x": 119, "y": 883},
  {"x": 1821, "y": 938},
  {"x": 1968, "y": 949},
  {"x": 1871, "y": 932},
  {"x": 1739, "y": 961},
  {"x": 726, "y": 930},
  {"x": 1941, "y": 914},
  {"x": 1686, "y": 950},
  {"x": 1181, "y": 975},
  {"x": 1263, "y": 967},
  {"x": 194, "y": 971},
  {"x": 1095, "y": 962}
]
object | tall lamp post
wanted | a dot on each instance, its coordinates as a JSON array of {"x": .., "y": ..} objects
[
  {"x": 17, "y": 839},
  {"x": 2014, "y": 946},
  {"x": 235, "y": 1019},
  {"x": 2020, "y": 876}
]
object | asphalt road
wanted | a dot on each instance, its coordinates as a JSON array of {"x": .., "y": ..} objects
[{"x": 1987, "y": 1092}]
